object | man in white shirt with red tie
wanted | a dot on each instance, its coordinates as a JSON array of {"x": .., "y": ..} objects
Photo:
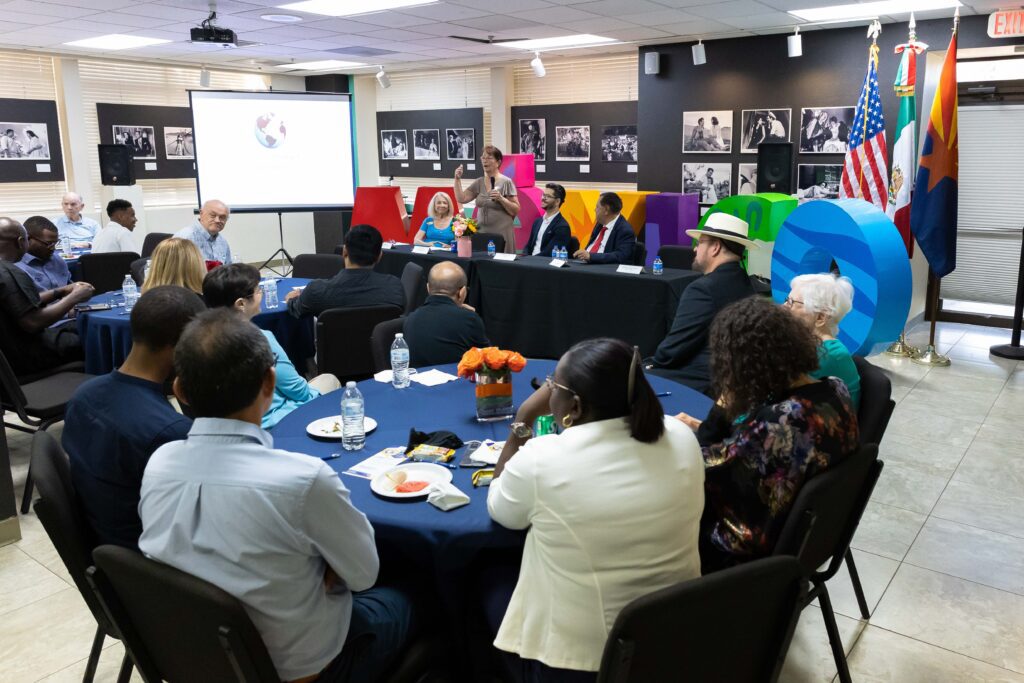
[{"x": 612, "y": 240}]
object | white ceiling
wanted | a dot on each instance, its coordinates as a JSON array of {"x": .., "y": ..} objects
[{"x": 418, "y": 35}]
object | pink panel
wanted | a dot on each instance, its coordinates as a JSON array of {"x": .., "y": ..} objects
[
  {"x": 529, "y": 203},
  {"x": 520, "y": 168}
]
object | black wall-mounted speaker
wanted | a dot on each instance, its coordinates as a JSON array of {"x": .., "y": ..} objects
[
  {"x": 116, "y": 167},
  {"x": 775, "y": 167}
]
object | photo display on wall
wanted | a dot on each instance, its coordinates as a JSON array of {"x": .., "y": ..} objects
[
  {"x": 394, "y": 144},
  {"x": 825, "y": 130},
  {"x": 746, "y": 183},
  {"x": 572, "y": 143},
  {"x": 426, "y": 144},
  {"x": 709, "y": 180},
  {"x": 461, "y": 144},
  {"x": 178, "y": 143},
  {"x": 139, "y": 138},
  {"x": 533, "y": 138},
  {"x": 818, "y": 181},
  {"x": 618, "y": 143},
  {"x": 707, "y": 131},
  {"x": 24, "y": 141},
  {"x": 763, "y": 125}
]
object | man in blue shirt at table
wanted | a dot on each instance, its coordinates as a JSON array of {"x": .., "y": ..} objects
[
  {"x": 73, "y": 225},
  {"x": 46, "y": 271},
  {"x": 114, "y": 422},
  {"x": 205, "y": 232},
  {"x": 273, "y": 528}
]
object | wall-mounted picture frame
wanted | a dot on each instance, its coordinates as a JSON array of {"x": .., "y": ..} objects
[
  {"x": 712, "y": 181},
  {"x": 764, "y": 125},
  {"x": 707, "y": 132},
  {"x": 24, "y": 141},
  {"x": 825, "y": 130},
  {"x": 818, "y": 181},
  {"x": 461, "y": 143},
  {"x": 426, "y": 144},
  {"x": 394, "y": 144},
  {"x": 746, "y": 181},
  {"x": 142, "y": 140},
  {"x": 178, "y": 143},
  {"x": 572, "y": 143},
  {"x": 533, "y": 138},
  {"x": 619, "y": 144}
]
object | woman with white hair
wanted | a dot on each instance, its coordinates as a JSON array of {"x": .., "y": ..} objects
[
  {"x": 436, "y": 230},
  {"x": 821, "y": 300}
]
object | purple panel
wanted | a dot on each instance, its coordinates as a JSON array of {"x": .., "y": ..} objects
[{"x": 669, "y": 216}]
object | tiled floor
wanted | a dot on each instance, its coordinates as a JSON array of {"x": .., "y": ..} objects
[{"x": 940, "y": 549}]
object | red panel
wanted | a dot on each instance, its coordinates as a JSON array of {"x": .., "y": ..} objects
[
  {"x": 383, "y": 208},
  {"x": 422, "y": 203}
]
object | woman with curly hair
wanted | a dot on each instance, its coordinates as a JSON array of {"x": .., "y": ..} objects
[{"x": 774, "y": 427}]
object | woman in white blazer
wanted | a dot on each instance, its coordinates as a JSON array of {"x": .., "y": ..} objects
[{"x": 613, "y": 505}]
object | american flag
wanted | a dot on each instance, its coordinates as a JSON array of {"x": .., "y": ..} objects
[{"x": 865, "y": 174}]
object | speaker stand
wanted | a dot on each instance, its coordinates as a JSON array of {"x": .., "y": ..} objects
[
  {"x": 286, "y": 267},
  {"x": 1014, "y": 350}
]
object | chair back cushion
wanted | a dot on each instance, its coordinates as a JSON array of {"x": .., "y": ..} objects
[
  {"x": 153, "y": 239},
  {"x": 11, "y": 395},
  {"x": 639, "y": 254},
  {"x": 676, "y": 256},
  {"x": 412, "y": 283},
  {"x": 343, "y": 340},
  {"x": 321, "y": 266},
  {"x": 480, "y": 240},
  {"x": 876, "y": 404},
  {"x": 381, "y": 339},
  {"x": 106, "y": 271}
]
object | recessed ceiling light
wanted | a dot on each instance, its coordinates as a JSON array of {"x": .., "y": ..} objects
[
  {"x": 561, "y": 42},
  {"x": 344, "y": 8},
  {"x": 867, "y": 9},
  {"x": 281, "y": 18},
  {"x": 116, "y": 41},
  {"x": 322, "y": 65}
]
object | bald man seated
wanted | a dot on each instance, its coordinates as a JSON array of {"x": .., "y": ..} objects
[
  {"x": 72, "y": 224},
  {"x": 444, "y": 327},
  {"x": 205, "y": 232}
]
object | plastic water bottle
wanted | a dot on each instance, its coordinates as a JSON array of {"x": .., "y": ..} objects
[
  {"x": 399, "y": 362},
  {"x": 353, "y": 435},
  {"x": 130, "y": 292},
  {"x": 563, "y": 253},
  {"x": 65, "y": 245},
  {"x": 270, "y": 294},
  {"x": 659, "y": 267},
  {"x": 491, "y": 249},
  {"x": 145, "y": 273},
  {"x": 556, "y": 253}
]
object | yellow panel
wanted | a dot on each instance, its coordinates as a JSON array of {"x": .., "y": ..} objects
[
  {"x": 578, "y": 210},
  {"x": 634, "y": 208}
]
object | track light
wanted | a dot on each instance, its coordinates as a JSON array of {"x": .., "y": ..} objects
[
  {"x": 538, "y": 66},
  {"x": 699, "y": 57},
  {"x": 383, "y": 78},
  {"x": 204, "y": 78},
  {"x": 795, "y": 43}
]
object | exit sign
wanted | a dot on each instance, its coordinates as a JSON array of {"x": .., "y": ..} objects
[{"x": 1007, "y": 23}]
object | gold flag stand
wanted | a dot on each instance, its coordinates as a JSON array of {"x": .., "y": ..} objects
[{"x": 929, "y": 355}]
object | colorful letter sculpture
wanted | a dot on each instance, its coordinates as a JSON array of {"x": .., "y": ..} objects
[
  {"x": 421, "y": 206},
  {"x": 764, "y": 213},
  {"x": 520, "y": 168},
  {"x": 578, "y": 211},
  {"x": 868, "y": 249},
  {"x": 669, "y": 216},
  {"x": 634, "y": 208},
  {"x": 529, "y": 210},
  {"x": 384, "y": 209}
]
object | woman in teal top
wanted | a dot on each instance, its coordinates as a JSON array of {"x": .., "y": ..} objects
[
  {"x": 821, "y": 300},
  {"x": 436, "y": 230}
]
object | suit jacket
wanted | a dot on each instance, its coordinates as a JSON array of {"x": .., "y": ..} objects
[
  {"x": 619, "y": 246},
  {"x": 440, "y": 331},
  {"x": 348, "y": 289},
  {"x": 683, "y": 355},
  {"x": 558, "y": 234}
]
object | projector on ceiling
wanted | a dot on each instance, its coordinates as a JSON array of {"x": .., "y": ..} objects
[{"x": 224, "y": 37}]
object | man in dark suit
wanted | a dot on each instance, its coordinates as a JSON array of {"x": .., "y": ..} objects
[
  {"x": 683, "y": 355},
  {"x": 550, "y": 230},
  {"x": 612, "y": 240},
  {"x": 444, "y": 327}
]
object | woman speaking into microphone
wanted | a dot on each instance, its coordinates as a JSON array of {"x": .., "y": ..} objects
[{"x": 495, "y": 197}]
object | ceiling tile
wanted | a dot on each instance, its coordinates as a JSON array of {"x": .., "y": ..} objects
[
  {"x": 786, "y": 5},
  {"x": 29, "y": 36},
  {"x": 395, "y": 35},
  {"x": 555, "y": 15},
  {"x": 283, "y": 34},
  {"x": 161, "y": 11},
  {"x": 95, "y": 5},
  {"x": 340, "y": 25},
  {"x": 500, "y": 25},
  {"x": 637, "y": 33},
  {"x": 224, "y": 7},
  {"x": 759, "y": 21},
  {"x": 735, "y": 8},
  {"x": 321, "y": 44},
  {"x": 118, "y": 20},
  {"x": 390, "y": 19},
  {"x": 47, "y": 9},
  {"x": 659, "y": 18},
  {"x": 701, "y": 27},
  {"x": 23, "y": 19},
  {"x": 510, "y": 6},
  {"x": 615, "y": 8},
  {"x": 444, "y": 12},
  {"x": 597, "y": 25}
]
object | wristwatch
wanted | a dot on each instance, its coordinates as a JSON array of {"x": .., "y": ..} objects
[{"x": 521, "y": 429}]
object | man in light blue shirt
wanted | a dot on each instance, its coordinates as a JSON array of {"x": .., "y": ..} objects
[
  {"x": 46, "y": 270},
  {"x": 73, "y": 225},
  {"x": 205, "y": 232},
  {"x": 273, "y": 528}
]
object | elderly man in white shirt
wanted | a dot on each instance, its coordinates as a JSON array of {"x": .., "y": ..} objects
[
  {"x": 72, "y": 224},
  {"x": 116, "y": 235},
  {"x": 205, "y": 231}
]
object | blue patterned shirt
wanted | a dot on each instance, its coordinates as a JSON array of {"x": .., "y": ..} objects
[
  {"x": 45, "y": 275},
  {"x": 212, "y": 247}
]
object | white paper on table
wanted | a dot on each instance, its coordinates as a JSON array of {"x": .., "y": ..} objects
[
  {"x": 381, "y": 461},
  {"x": 421, "y": 249},
  {"x": 431, "y": 378},
  {"x": 488, "y": 452},
  {"x": 384, "y": 376}
]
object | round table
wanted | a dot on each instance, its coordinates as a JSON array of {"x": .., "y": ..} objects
[{"x": 107, "y": 337}]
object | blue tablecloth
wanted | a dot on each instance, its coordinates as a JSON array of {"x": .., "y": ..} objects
[{"x": 107, "y": 338}]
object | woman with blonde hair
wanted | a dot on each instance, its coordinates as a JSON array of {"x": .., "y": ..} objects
[
  {"x": 176, "y": 262},
  {"x": 436, "y": 230}
]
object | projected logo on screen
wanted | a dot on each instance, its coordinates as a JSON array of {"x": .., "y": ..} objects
[{"x": 270, "y": 130}]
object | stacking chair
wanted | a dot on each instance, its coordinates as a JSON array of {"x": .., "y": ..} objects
[
  {"x": 676, "y": 256},
  {"x": 318, "y": 265},
  {"x": 153, "y": 239},
  {"x": 63, "y": 518},
  {"x": 38, "y": 404},
  {"x": 690, "y": 631},
  {"x": 343, "y": 340},
  {"x": 138, "y": 271},
  {"x": 480, "y": 240},
  {"x": 821, "y": 525},
  {"x": 574, "y": 245},
  {"x": 381, "y": 339},
  {"x": 876, "y": 404},
  {"x": 412, "y": 281},
  {"x": 639, "y": 254},
  {"x": 106, "y": 272}
]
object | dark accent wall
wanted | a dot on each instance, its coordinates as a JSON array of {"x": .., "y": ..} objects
[
  {"x": 756, "y": 73},
  {"x": 110, "y": 115},
  {"x": 31, "y": 112},
  {"x": 328, "y": 83},
  {"x": 440, "y": 119},
  {"x": 597, "y": 115}
]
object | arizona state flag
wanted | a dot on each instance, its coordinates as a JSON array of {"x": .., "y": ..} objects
[{"x": 933, "y": 217}]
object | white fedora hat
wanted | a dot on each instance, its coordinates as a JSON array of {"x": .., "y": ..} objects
[{"x": 725, "y": 226}]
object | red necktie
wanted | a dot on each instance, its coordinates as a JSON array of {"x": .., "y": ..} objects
[{"x": 596, "y": 246}]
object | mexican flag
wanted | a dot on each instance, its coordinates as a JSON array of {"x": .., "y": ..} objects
[{"x": 904, "y": 165}]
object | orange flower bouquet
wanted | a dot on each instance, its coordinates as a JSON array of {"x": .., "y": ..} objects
[{"x": 493, "y": 368}]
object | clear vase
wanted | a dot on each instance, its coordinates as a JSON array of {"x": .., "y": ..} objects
[
  {"x": 494, "y": 395},
  {"x": 464, "y": 246}
]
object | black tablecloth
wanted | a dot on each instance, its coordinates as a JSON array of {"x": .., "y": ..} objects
[{"x": 393, "y": 260}]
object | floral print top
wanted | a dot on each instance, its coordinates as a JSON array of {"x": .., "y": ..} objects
[{"x": 755, "y": 466}]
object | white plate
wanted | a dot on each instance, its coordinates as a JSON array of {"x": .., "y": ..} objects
[
  {"x": 415, "y": 471},
  {"x": 330, "y": 427}
]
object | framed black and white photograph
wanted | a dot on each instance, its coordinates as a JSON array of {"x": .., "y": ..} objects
[
  {"x": 618, "y": 143},
  {"x": 763, "y": 125},
  {"x": 533, "y": 138},
  {"x": 178, "y": 143},
  {"x": 825, "y": 130},
  {"x": 711, "y": 181},
  {"x": 394, "y": 144},
  {"x": 707, "y": 131},
  {"x": 24, "y": 141},
  {"x": 426, "y": 144},
  {"x": 141, "y": 139},
  {"x": 818, "y": 181},
  {"x": 572, "y": 143},
  {"x": 461, "y": 144},
  {"x": 747, "y": 180}
]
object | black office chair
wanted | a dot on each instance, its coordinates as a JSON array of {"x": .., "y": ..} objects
[
  {"x": 380, "y": 341},
  {"x": 876, "y": 404},
  {"x": 153, "y": 239},
  {"x": 343, "y": 340},
  {"x": 639, "y": 254},
  {"x": 64, "y": 521},
  {"x": 412, "y": 281},
  {"x": 38, "y": 404},
  {"x": 821, "y": 525},
  {"x": 676, "y": 256},
  {"x": 574, "y": 246},
  {"x": 690, "y": 631},
  {"x": 317, "y": 265},
  {"x": 480, "y": 240},
  {"x": 106, "y": 272},
  {"x": 138, "y": 270}
]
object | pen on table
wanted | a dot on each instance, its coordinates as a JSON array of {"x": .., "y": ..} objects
[{"x": 663, "y": 394}]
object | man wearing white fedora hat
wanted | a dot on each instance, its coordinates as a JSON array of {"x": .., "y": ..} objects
[{"x": 683, "y": 355}]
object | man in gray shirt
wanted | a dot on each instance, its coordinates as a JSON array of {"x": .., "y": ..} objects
[{"x": 273, "y": 528}]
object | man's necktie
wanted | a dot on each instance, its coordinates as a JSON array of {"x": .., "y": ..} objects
[{"x": 596, "y": 246}]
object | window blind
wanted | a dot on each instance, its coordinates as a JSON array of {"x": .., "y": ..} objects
[{"x": 612, "y": 78}]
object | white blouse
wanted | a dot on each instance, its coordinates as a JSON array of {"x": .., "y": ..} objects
[{"x": 612, "y": 519}]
